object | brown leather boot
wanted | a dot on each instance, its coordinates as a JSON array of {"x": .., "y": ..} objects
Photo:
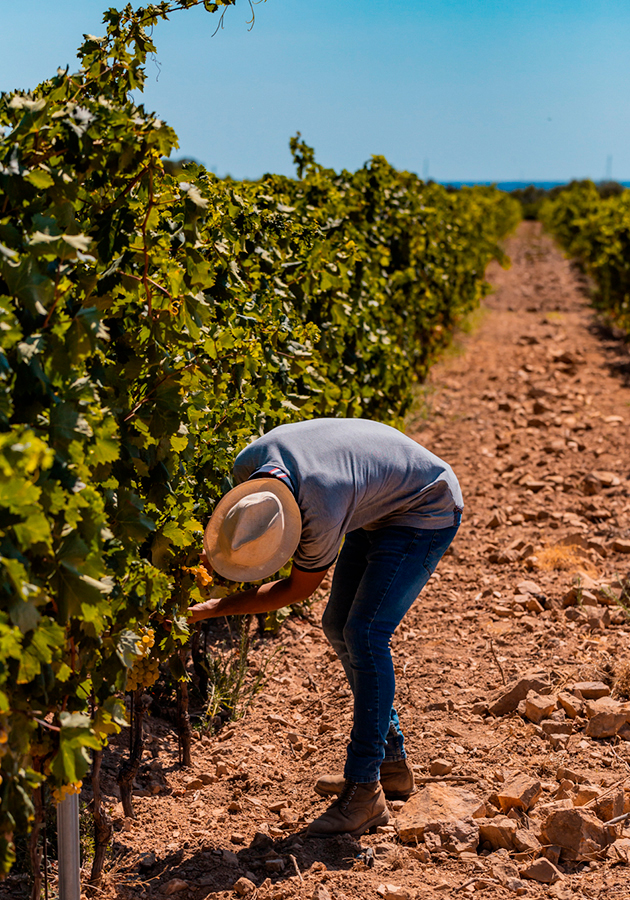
[
  {"x": 358, "y": 808},
  {"x": 396, "y": 781}
]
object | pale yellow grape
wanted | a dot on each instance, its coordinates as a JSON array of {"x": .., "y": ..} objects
[
  {"x": 144, "y": 671},
  {"x": 66, "y": 790}
]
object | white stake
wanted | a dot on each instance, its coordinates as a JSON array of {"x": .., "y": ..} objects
[{"x": 68, "y": 848}]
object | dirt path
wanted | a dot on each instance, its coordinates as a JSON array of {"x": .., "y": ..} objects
[{"x": 533, "y": 403}]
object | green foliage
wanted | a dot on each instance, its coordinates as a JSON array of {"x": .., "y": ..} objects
[
  {"x": 593, "y": 224},
  {"x": 532, "y": 198},
  {"x": 150, "y": 325}
]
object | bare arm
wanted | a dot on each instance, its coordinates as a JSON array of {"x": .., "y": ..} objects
[{"x": 298, "y": 586}]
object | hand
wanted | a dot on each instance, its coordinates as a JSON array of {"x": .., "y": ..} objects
[{"x": 200, "y": 611}]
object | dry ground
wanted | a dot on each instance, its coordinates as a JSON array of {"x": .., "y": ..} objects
[{"x": 525, "y": 409}]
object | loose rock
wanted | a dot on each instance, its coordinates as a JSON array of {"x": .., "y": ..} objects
[
  {"x": 243, "y": 887},
  {"x": 499, "y": 832},
  {"x": 434, "y": 803},
  {"x": 519, "y": 793},
  {"x": 538, "y": 707},
  {"x": 502, "y": 868},
  {"x": 278, "y": 720},
  {"x": 147, "y": 860},
  {"x": 393, "y": 892},
  {"x": 591, "y": 690},
  {"x": 580, "y": 834},
  {"x": 619, "y": 852},
  {"x": 610, "y": 805},
  {"x": 534, "y": 680},
  {"x": 441, "y": 767},
  {"x": 605, "y": 717},
  {"x": 570, "y": 704},
  {"x": 542, "y": 870},
  {"x": 454, "y": 838},
  {"x": 529, "y": 587}
]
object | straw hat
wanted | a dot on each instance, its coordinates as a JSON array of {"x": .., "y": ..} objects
[{"x": 254, "y": 530}]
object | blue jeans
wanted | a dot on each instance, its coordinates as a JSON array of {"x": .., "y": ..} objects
[{"x": 378, "y": 576}]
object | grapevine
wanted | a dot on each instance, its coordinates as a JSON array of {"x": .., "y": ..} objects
[
  {"x": 596, "y": 230},
  {"x": 150, "y": 325}
]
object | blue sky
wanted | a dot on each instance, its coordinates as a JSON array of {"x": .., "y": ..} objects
[{"x": 458, "y": 89}]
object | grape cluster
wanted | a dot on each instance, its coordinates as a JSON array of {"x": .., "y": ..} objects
[
  {"x": 66, "y": 790},
  {"x": 203, "y": 578},
  {"x": 144, "y": 671}
]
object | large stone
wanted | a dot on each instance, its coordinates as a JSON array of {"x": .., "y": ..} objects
[
  {"x": 542, "y": 870},
  {"x": 620, "y": 546},
  {"x": 586, "y": 793},
  {"x": 454, "y": 838},
  {"x": 619, "y": 852},
  {"x": 533, "y": 680},
  {"x": 545, "y": 809},
  {"x": 610, "y": 805},
  {"x": 570, "y": 775},
  {"x": 605, "y": 717},
  {"x": 591, "y": 690},
  {"x": 580, "y": 834},
  {"x": 570, "y": 704},
  {"x": 434, "y": 803},
  {"x": 520, "y": 792},
  {"x": 499, "y": 832},
  {"x": 551, "y": 726},
  {"x": 501, "y": 867},
  {"x": 525, "y": 841},
  {"x": 538, "y": 707}
]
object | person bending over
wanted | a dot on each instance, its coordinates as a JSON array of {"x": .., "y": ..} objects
[{"x": 385, "y": 509}]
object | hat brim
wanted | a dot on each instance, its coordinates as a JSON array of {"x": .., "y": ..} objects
[{"x": 288, "y": 545}]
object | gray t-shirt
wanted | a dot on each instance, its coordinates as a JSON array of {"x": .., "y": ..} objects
[{"x": 352, "y": 473}]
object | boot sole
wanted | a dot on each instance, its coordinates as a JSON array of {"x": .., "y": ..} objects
[
  {"x": 381, "y": 819},
  {"x": 405, "y": 795}
]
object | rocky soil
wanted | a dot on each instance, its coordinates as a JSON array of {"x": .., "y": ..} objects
[{"x": 512, "y": 667}]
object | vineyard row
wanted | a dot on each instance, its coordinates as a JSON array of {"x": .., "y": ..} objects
[{"x": 150, "y": 325}]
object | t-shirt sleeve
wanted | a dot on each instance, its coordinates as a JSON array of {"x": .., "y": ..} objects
[
  {"x": 244, "y": 466},
  {"x": 315, "y": 553}
]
